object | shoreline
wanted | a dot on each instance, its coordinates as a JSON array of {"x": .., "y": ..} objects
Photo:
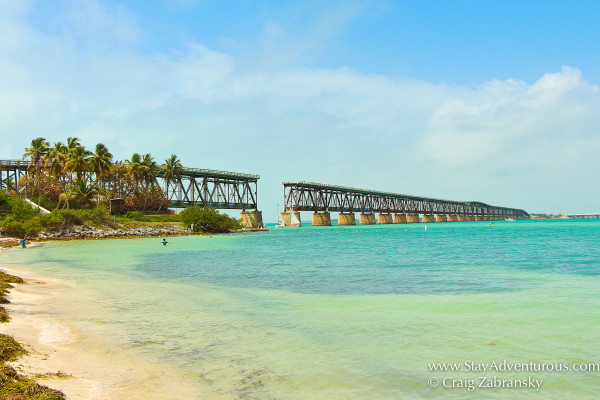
[{"x": 80, "y": 364}]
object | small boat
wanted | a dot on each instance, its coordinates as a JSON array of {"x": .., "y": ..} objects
[{"x": 510, "y": 219}]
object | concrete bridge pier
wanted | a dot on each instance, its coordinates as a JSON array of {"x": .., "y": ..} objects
[
  {"x": 471, "y": 218},
  {"x": 321, "y": 219},
  {"x": 384, "y": 218},
  {"x": 441, "y": 218},
  {"x": 412, "y": 218},
  {"x": 286, "y": 218},
  {"x": 462, "y": 218},
  {"x": 400, "y": 218},
  {"x": 452, "y": 218},
  {"x": 346, "y": 219},
  {"x": 479, "y": 218},
  {"x": 252, "y": 219},
  {"x": 367, "y": 219},
  {"x": 428, "y": 218}
]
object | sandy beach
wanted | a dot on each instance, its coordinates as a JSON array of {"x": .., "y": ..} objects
[{"x": 96, "y": 367}]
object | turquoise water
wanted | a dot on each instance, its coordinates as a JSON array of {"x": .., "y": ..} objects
[{"x": 347, "y": 312}]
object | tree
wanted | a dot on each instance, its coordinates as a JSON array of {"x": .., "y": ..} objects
[
  {"x": 101, "y": 161},
  {"x": 78, "y": 162},
  {"x": 149, "y": 175},
  {"x": 37, "y": 151},
  {"x": 54, "y": 163},
  {"x": 84, "y": 193},
  {"x": 171, "y": 170}
]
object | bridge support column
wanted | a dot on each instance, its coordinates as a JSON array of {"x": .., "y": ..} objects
[
  {"x": 400, "y": 218},
  {"x": 285, "y": 217},
  {"x": 367, "y": 219},
  {"x": 462, "y": 218},
  {"x": 452, "y": 218},
  {"x": 346, "y": 219},
  {"x": 428, "y": 218},
  {"x": 384, "y": 218},
  {"x": 251, "y": 219},
  {"x": 412, "y": 218},
  {"x": 441, "y": 218},
  {"x": 471, "y": 218},
  {"x": 321, "y": 219},
  {"x": 479, "y": 218}
]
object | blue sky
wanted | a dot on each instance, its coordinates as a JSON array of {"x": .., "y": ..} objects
[{"x": 494, "y": 101}]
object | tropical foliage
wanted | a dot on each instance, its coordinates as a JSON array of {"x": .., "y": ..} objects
[
  {"x": 67, "y": 175},
  {"x": 208, "y": 220}
]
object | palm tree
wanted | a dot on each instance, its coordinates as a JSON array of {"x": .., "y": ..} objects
[
  {"x": 37, "y": 151},
  {"x": 101, "y": 161},
  {"x": 83, "y": 192},
  {"x": 78, "y": 162},
  {"x": 171, "y": 170},
  {"x": 149, "y": 175},
  {"x": 136, "y": 170},
  {"x": 54, "y": 162},
  {"x": 73, "y": 143}
]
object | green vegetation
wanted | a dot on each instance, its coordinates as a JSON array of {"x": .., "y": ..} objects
[
  {"x": 208, "y": 220},
  {"x": 70, "y": 176},
  {"x": 23, "y": 220}
]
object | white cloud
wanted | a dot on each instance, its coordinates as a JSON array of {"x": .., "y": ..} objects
[{"x": 505, "y": 142}]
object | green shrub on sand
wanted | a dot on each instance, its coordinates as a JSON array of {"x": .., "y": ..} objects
[{"x": 208, "y": 220}]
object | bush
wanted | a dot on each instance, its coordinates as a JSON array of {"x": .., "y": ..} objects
[
  {"x": 137, "y": 216},
  {"x": 20, "y": 209},
  {"x": 208, "y": 220},
  {"x": 59, "y": 219}
]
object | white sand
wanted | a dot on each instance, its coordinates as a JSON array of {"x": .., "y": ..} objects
[{"x": 99, "y": 368}]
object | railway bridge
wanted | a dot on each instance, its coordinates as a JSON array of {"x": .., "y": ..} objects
[
  {"x": 193, "y": 186},
  {"x": 392, "y": 207}
]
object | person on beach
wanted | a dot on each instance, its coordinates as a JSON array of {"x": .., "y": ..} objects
[
  {"x": 164, "y": 242},
  {"x": 2, "y": 231},
  {"x": 23, "y": 243}
]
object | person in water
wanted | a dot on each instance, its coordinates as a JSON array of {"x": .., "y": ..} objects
[
  {"x": 23, "y": 243},
  {"x": 164, "y": 242}
]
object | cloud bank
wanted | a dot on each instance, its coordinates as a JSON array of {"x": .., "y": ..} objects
[{"x": 506, "y": 142}]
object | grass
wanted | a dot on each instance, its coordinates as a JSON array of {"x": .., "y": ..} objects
[{"x": 52, "y": 375}]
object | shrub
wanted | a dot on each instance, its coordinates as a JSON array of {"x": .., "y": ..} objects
[
  {"x": 20, "y": 209},
  {"x": 208, "y": 220}
]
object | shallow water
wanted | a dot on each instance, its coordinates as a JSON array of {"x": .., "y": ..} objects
[{"x": 346, "y": 312}]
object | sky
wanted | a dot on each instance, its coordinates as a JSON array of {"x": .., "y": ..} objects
[{"x": 493, "y": 101}]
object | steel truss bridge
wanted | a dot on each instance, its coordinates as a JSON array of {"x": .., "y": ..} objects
[
  {"x": 214, "y": 189},
  {"x": 195, "y": 186},
  {"x": 308, "y": 196}
]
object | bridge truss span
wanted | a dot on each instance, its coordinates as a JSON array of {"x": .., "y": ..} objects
[{"x": 316, "y": 197}]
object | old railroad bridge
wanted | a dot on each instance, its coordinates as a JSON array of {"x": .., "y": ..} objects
[
  {"x": 234, "y": 190},
  {"x": 195, "y": 186},
  {"x": 392, "y": 208}
]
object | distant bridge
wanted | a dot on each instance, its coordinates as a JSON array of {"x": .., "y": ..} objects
[
  {"x": 584, "y": 216},
  {"x": 322, "y": 199},
  {"x": 200, "y": 187}
]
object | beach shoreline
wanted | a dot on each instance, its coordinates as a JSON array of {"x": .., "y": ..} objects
[{"x": 77, "y": 363}]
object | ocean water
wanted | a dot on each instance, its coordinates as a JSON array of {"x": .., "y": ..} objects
[{"x": 348, "y": 312}]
